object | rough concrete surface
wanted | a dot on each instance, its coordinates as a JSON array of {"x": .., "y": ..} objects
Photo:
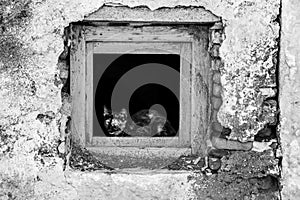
[
  {"x": 290, "y": 98},
  {"x": 30, "y": 101}
]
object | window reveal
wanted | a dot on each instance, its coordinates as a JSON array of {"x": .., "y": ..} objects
[{"x": 145, "y": 122}]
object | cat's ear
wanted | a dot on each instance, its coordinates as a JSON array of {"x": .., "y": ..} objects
[
  {"x": 124, "y": 111},
  {"x": 105, "y": 110}
]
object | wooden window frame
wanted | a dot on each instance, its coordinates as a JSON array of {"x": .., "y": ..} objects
[
  {"x": 111, "y": 42},
  {"x": 192, "y": 127}
]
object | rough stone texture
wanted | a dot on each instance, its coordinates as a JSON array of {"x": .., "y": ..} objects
[
  {"x": 242, "y": 176},
  {"x": 290, "y": 98},
  {"x": 31, "y": 42}
]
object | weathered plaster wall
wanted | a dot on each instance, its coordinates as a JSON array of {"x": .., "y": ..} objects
[
  {"x": 290, "y": 98},
  {"x": 30, "y": 100}
]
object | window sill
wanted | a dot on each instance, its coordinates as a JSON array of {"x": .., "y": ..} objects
[{"x": 134, "y": 157}]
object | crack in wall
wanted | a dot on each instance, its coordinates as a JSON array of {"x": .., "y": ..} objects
[{"x": 278, "y": 151}]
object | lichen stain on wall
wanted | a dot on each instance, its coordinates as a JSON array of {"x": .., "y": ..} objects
[{"x": 33, "y": 43}]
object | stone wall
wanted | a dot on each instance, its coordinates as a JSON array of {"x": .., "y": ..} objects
[{"x": 32, "y": 110}]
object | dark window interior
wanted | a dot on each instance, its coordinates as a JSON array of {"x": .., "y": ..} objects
[{"x": 136, "y": 95}]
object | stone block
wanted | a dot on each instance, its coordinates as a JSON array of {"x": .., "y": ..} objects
[
  {"x": 215, "y": 50},
  {"x": 216, "y": 64},
  {"x": 215, "y": 115},
  {"x": 217, "y": 126},
  {"x": 217, "y": 77},
  {"x": 214, "y": 163},
  {"x": 220, "y": 143},
  {"x": 215, "y": 134},
  {"x": 217, "y": 90},
  {"x": 216, "y": 37},
  {"x": 269, "y": 113},
  {"x": 268, "y": 92},
  {"x": 218, "y": 153},
  {"x": 64, "y": 74},
  {"x": 217, "y": 102},
  {"x": 62, "y": 65}
]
